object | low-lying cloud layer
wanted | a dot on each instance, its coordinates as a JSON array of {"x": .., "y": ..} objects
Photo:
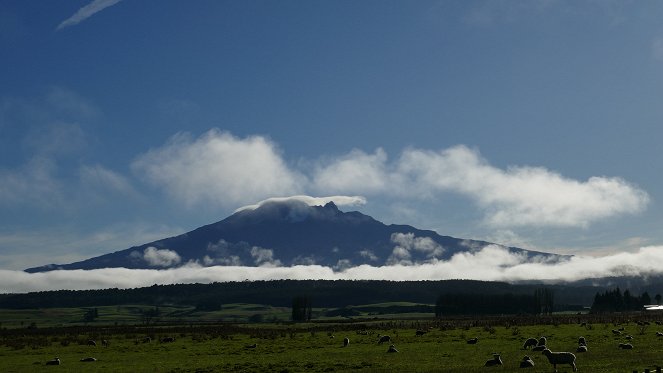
[{"x": 492, "y": 263}]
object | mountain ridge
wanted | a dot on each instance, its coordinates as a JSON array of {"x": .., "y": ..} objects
[{"x": 286, "y": 233}]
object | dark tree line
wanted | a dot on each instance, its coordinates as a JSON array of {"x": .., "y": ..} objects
[
  {"x": 616, "y": 301},
  {"x": 541, "y": 302},
  {"x": 279, "y": 293},
  {"x": 301, "y": 308}
]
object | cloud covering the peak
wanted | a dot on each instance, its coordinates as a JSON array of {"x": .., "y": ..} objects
[{"x": 311, "y": 201}]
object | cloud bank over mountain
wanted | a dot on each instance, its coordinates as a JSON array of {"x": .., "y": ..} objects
[
  {"x": 220, "y": 169},
  {"x": 492, "y": 263}
]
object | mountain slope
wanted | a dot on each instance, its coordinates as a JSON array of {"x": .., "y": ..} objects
[{"x": 289, "y": 233}]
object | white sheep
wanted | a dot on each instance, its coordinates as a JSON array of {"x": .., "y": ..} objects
[
  {"x": 561, "y": 358},
  {"x": 530, "y": 342},
  {"x": 527, "y": 362},
  {"x": 55, "y": 361},
  {"x": 392, "y": 348},
  {"x": 496, "y": 360},
  {"x": 582, "y": 341},
  {"x": 473, "y": 341},
  {"x": 626, "y": 346},
  {"x": 346, "y": 341},
  {"x": 88, "y": 359},
  {"x": 659, "y": 334},
  {"x": 581, "y": 348},
  {"x": 91, "y": 343}
]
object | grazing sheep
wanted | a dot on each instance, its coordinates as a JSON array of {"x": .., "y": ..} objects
[
  {"x": 88, "y": 359},
  {"x": 346, "y": 341},
  {"x": 472, "y": 341},
  {"x": 420, "y": 332},
  {"x": 616, "y": 332},
  {"x": 91, "y": 343},
  {"x": 581, "y": 348},
  {"x": 55, "y": 361},
  {"x": 582, "y": 341},
  {"x": 629, "y": 337},
  {"x": 542, "y": 341},
  {"x": 167, "y": 340},
  {"x": 561, "y": 358},
  {"x": 147, "y": 340},
  {"x": 496, "y": 360},
  {"x": 529, "y": 343},
  {"x": 251, "y": 346},
  {"x": 659, "y": 334},
  {"x": 527, "y": 362},
  {"x": 392, "y": 348},
  {"x": 539, "y": 348},
  {"x": 105, "y": 343},
  {"x": 383, "y": 339},
  {"x": 626, "y": 346}
]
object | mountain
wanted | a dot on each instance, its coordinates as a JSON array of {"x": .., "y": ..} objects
[{"x": 289, "y": 233}]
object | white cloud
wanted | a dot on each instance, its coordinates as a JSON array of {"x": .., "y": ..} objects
[
  {"x": 311, "y": 201},
  {"x": 368, "y": 254},
  {"x": 218, "y": 169},
  {"x": 161, "y": 257},
  {"x": 512, "y": 197},
  {"x": 356, "y": 171},
  {"x": 405, "y": 243},
  {"x": 492, "y": 263},
  {"x": 86, "y": 12},
  {"x": 264, "y": 257},
  {"x": 523, "y": 196}
]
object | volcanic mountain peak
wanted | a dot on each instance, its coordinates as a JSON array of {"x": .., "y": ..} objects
[{"x": 289, "y": 232}]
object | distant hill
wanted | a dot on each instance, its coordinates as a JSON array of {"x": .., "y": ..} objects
[{"x": 290, "y": 233}]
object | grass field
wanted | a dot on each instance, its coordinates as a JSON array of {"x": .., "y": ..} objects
[{"x": 309, "y": 347}]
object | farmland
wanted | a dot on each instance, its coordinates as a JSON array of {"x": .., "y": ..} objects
[{"x": 224, "y": 340}]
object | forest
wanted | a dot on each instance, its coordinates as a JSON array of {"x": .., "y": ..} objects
[{"x": 481, "y": 297}]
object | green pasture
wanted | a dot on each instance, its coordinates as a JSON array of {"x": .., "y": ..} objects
[
  {"x": 317, "y": 347},
  {"x": 235, "y": 313}
]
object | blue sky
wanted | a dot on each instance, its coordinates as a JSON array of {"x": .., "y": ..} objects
[{"x": 528, "y": 123}]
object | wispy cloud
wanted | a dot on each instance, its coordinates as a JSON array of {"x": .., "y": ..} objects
[
  {"x": 492, "y": 263},
  {"x": 86, "y": 12}
]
